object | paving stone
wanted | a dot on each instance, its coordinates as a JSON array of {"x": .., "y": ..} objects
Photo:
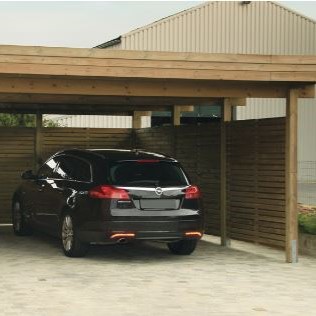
[{"x": 145, "y": 279}]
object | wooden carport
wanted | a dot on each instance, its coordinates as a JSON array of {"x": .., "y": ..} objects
[{"x": 91, "y": 81}]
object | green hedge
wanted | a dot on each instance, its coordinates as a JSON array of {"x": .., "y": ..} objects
[{"x": 307, "y": 223}]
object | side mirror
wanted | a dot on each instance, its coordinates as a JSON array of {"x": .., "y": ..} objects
[{"x": 28, "y": 175}]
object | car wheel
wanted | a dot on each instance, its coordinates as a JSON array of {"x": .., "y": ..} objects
[
  {"x": 20, "y": 226},
  {"x": 182, "y": 247},
  {"x": 71, "y": 244}
]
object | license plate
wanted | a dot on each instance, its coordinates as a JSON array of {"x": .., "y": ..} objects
[{"x": 167, "y": 204}]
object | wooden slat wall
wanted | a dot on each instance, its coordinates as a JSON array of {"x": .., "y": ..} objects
[
  {"x": 55, "y": 139},
  {"x": 17, "y": 147},
  {"x": 255, "y": 165},
  {"x": 197, "y": 148},
  {"x": 16, "y": 155},
  {"x": 256, "y": 180}
]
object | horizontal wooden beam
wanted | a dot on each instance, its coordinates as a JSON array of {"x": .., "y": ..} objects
[
  {"x": 237, "y": 64},
  {"x": 29, "y": 98},
  {"x": 236, "y": 101},
  {"x": 83, "y": 64},
  {"x": 292, "y": 73},
  {"x": 149, "y": 88},
  {"x": 77, "y": 109},
  {"x": 126, "y": 54},
  {"x": 186, "y": 108}
]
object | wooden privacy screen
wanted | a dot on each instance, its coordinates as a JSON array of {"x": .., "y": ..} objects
[
  {"x": 255, "y": 173},
  {"x": 255, "y": 167},
  {"x": 256, "y": 180},
  {"x": 17, "y": 148},
  {"x": 55, "y": 139},
  {"x": 198, "y": 150}
]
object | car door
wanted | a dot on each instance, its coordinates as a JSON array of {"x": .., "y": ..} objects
[
  {"x": 71, "y": 178},
  {"x": 40, "y": 192}
]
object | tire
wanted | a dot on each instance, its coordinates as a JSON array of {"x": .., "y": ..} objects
[
  {"x": 182, "y": 247},
  {"x": 71, "y": 244},
  {"x": 20, "y": 225}
]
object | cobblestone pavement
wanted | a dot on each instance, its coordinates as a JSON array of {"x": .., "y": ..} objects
[{"x": 36, "y": 279}]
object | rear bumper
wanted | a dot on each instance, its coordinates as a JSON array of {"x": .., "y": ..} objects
[{"x": 164, "y": 230}]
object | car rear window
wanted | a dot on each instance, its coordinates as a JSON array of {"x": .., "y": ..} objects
[{"x": 146, "y": 174}]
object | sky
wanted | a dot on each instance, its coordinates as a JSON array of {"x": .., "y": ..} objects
[{"x": 87, "y": 24}]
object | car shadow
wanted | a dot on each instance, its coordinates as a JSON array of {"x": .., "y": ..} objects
[{"x": 41, "y": 245}]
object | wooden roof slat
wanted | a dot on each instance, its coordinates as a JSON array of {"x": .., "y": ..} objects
[
  {"x": 149, "y": 63},
  {"x": 143, "y": 88},
  {"x": 128, "y": 54},
  {"x": 93, "y": 63}
]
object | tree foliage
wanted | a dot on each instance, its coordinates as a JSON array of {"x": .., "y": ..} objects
[{"x": 23, "y": 120}]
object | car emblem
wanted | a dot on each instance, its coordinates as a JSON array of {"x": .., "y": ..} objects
[{"x": 158, "y": 191}]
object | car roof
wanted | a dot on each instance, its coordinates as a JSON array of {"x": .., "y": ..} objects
[{"x": 117, "y": 154}]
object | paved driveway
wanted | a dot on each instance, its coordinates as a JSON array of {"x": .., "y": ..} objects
[{"x": 36, "y": 279}]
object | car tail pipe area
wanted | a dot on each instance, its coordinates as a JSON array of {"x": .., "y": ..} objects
[{"x": 122, "y": 238}]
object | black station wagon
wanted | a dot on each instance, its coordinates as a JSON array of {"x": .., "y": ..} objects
[{"x": 109, "y": 196}]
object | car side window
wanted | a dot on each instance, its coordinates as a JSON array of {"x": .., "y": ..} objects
[
  {"x": 46, "y": 171},
  {"x": 72, "y": 168}
]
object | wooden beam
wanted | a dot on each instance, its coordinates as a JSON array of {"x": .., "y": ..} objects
[
  {"x": 291, "y": 177},
  {"x": 70, "y": 100},
  {"x": 238, "y": 101},
  {"x": 187, "y": 108},
  {"x": 76, "y": 109},
  {"x": 38, "y": 141},
  {"x": 226, "y": 117},
  {"x": 155, "y": 65},
  {"x": 292, "y": 74},
  {"x": 221, "y": 63},
  {"x": 145, "y": 88},
  {"x": 78, "y": 53}
]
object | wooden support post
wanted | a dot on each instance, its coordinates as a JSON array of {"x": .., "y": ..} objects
[
  {"x": 291, "y": 177},
  {"x": 137, "y": 118},
  {"x": 176, "y": 115},
  {"x": 225, "y": 118},
  {"x": 38, "y": 141}
]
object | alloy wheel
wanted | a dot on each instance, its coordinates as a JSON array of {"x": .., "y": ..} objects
[
  {"x": 67, "y": 233},
  {"x": 17, "y": 217}
]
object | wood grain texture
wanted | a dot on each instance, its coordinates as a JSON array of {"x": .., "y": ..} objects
[
  {"x": 291, "y": 177},
  {"x": 21, "y": 146},
  {"x": 256, "y": 181},
  {"x": 256, "y": 193}
]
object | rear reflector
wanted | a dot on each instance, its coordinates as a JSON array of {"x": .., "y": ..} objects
[
  {"x": 108, "y": 192},
  {"x": 122, "y": 235},
  {"x": 193, "y": 234},
  {"x": 192, "y": 192}
]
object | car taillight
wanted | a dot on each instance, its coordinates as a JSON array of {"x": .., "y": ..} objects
[
  {"x": 108, "y": 192},
  {"x": 192, "y": 192}
]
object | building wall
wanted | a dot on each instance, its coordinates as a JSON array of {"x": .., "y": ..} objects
[
  {"x": 96, "y": 121},
  {"x": 261, "y": 27}
]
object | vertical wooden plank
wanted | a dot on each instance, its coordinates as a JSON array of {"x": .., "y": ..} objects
[
  {"x": 176, "y": 115},
  {"x": 291, "y": 177},
  {"x": 225, "y": 118},
  {"x": 38, "y": 141},
  {"x": 137, "y": 118}
]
